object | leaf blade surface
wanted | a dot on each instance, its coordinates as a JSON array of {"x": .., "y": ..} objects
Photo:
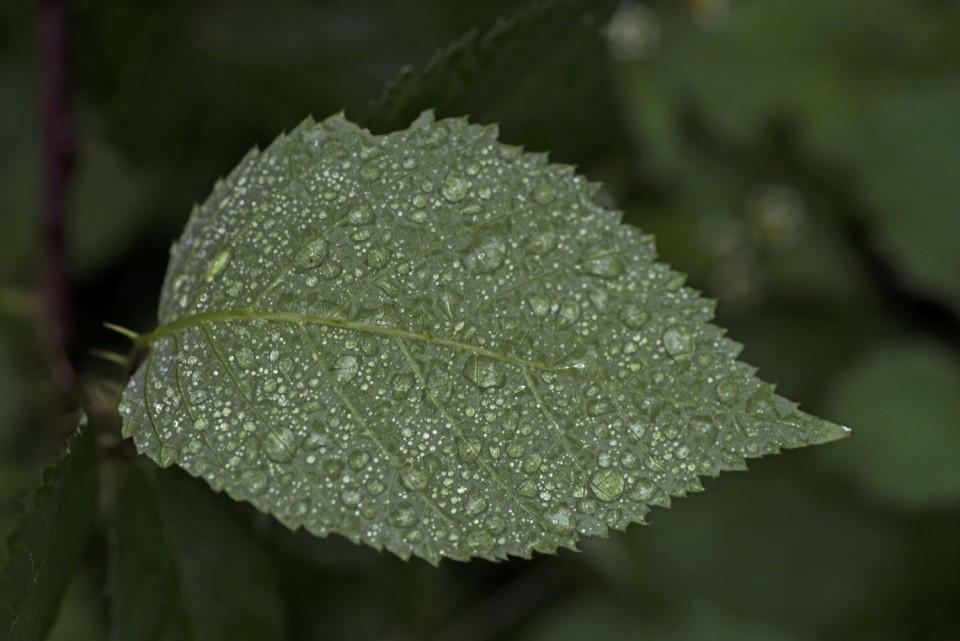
[{"x": 434, "y": 343}]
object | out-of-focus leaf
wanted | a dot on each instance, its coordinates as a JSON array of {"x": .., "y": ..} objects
[
  {"x": 610, "y": 616},
  {"x": 44, "y": 549},
  {"x": 908, "y": 162},
  {"x": 904, "y": 401},
  {"x": 734, "y": 551},
  {"x": 80, "y": 617},
  {"x": 516, "y": 75},
  {"x": 431, "y": 342},
  {"x": 185, "y": 568}
]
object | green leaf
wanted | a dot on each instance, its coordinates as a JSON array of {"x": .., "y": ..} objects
[
  {"x": 44, "y": 550},
  {"x": 186, "y": 569},
  {"x": 431, "y": 342},
  {"x": 512, "y": 74}
]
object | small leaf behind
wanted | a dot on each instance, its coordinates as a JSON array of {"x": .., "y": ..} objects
[
  {"x": 43, "y": 551},
  {"x": 186, "y": 569}
]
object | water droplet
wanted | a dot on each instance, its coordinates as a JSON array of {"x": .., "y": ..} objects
[
  {"x": 604, "y": 264},
  {"x": 254, "y": 480},
  {"x": 634, "y": 317},
  {"x": 532, "y": 463},
  {"x": 280, "y": 444},
  {"x": 360, "y": 216},
  {"x": 455, "y": 188},
  {"x": 413, "y": 536},
  {"x": 476, "y": 505},
  {"x": 370, "y": 172},
  {"x": 705, "y": 427},
  {"x": 332, "y": 469},
  {"x": 375, "y": 487},
  {"x": 414, "y": 479},
  {"x": 607, "y": 484},
  {"x": 561, "y": 521},
  {"x": 358, "y": 460},
  {"x": 468, "y": 450},
  {"x": 403, "y": 515},
  {"x": 569, "y": 312},
  {"x": 542, "y": 242},
  {"x": 540, "y": 304},
  {"x": 727, "y": 390},
  {"x": 528, "y": 488},
  {"x": 350, "y": 497},
  {"x": 409, "y": 163},
  {"x": 643, "y": 491},
  {"x": 345, "y": 368},
  {"x": 419, "y": 201},
  {"x": 313, "y": 253},
  {"x": 514, "y": 450},
  {"x": 599, "y": 298},
  {"x": 217, "y": 266},
  {"x": 403, "y": 383},
  {"x": 484, "y": 372},
  {"x": 331, "y": 270},
  {"x": 544, "y": 193},
  {"x": 378, "y": 257},
  {"x": 486, "y": 255},
  {"x": 678, "y": 341},
  {"x": 200, "y": 424}
]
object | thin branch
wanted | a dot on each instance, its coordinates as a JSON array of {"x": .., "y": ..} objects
[{"x": 59, "y": 147}]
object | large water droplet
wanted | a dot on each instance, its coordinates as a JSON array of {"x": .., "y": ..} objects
[
  {"x": 544, "y": 193},
  {"x": 486, "y": 255},
  {"x": 678, "y": 341},
  {"x": 414, "y": 479},
  {"x": 604, "y": 264},
  {"x": 634, "y": 317},
  {"x": 455, "y": 188},
  {"x": 727, "y": 390},
  {"x": 403, "y": 515},
  {"x": 345, "y": 368},
  {"x": 378, "y": 257},
  {"x": 350, "y": 497},
  {"x": 542, "y": 242},
  {"x": 280, "y": 444},
  {"x": 217, "y": 266},
  {"x": 360, "y": 216},
  {"x": 313, "y": 253},
  {"x": 254, "y": 480},
  {"x": 476, "y": 505},
  {"x": 358, "y": 460},
  {"x": 540, "y": 305},
  {"x": 370, "y": 172},
  {"x": 607, "y": 484},
  {"x": 484, "y": 372}
]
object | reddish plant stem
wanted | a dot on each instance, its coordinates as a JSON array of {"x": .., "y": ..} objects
[{"x": 59, "y": 151}]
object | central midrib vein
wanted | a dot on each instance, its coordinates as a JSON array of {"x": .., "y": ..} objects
[{"x": 195, "y": 320}]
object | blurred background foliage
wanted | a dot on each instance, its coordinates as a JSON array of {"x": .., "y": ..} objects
[{"x": 798, "y": 158}]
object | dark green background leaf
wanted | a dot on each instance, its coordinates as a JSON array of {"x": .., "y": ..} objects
[
  {"x": 44, "y": 550},
  {"x": 185, "y": 567}
]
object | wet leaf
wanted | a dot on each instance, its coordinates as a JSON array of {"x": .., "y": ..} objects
[
  {"x": 434, "y": 343},
  {"x": 43, "y": 551}
]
